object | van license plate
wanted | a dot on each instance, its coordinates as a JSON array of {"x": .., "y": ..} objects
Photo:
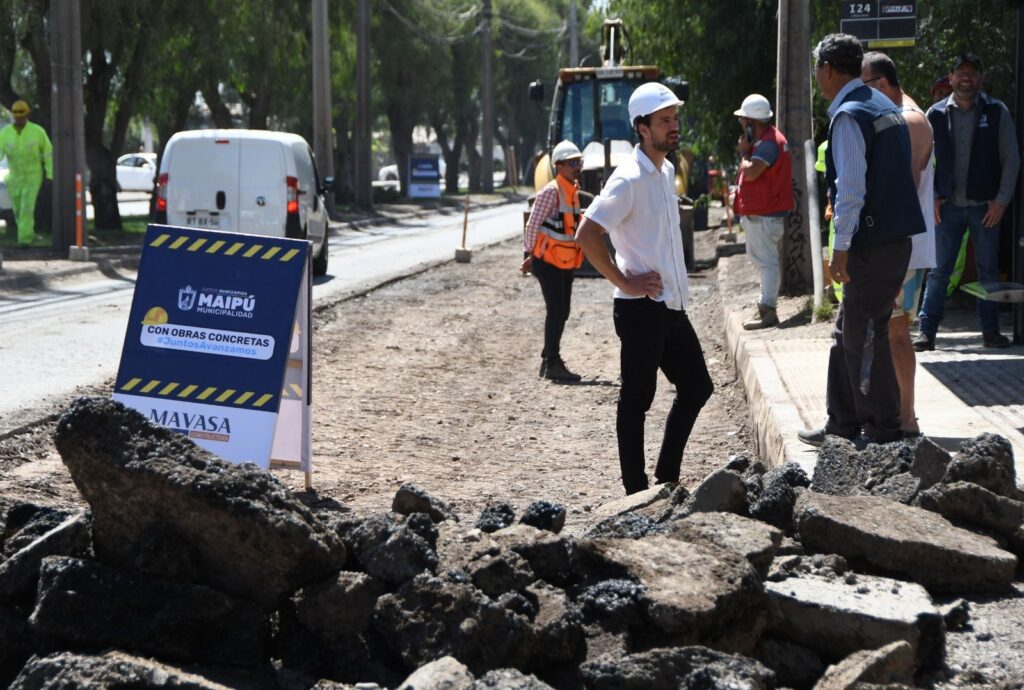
[{"x": 202, "y": 221}]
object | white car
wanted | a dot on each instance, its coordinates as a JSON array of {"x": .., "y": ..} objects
[
  {"x": 136, "y": 172},
  {"x": 6, "y": 212}
]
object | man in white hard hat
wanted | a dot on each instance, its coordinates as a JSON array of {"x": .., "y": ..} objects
[
  {"x": 764, "y": 197},
  {"x": 639, "y": 210},
  {"x": 552, "y": 254}
]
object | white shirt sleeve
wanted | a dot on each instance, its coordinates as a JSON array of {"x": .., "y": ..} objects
[{"x": 613, "y": 204}]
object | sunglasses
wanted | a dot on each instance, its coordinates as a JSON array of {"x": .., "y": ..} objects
[{"x": 574, "y": 163}]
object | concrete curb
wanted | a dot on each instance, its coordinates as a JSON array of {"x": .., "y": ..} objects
[
  {"x": 773, "y": 414},
  {"x": 35, "y": 281}
]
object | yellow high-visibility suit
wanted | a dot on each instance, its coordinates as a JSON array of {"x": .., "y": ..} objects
[{"x": 29, "y": 155}]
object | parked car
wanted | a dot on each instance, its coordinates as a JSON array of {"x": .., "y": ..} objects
[
  {"x": 6, "y": 212},
  {"x": 249, "y": 181},
  {"x": 136, "y": 172}
]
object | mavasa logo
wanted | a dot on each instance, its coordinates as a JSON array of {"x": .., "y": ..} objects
[{"x": 209, "y": 427}]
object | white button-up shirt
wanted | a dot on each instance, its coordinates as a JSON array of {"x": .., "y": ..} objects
[{"x": 640, "y": 210}]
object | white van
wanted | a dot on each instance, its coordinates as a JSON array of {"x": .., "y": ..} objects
[{"x": 248, "y": 181}]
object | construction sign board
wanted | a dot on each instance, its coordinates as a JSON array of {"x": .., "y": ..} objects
[
  {"x": 881, "y": 23},
  {"x": 217, "y": 345}
]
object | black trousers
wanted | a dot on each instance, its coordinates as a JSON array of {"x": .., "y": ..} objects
[
  {"x": 556, "y": 286},
  {"x": 863, "y": 392},
  {"x": 653, "y": 337}
]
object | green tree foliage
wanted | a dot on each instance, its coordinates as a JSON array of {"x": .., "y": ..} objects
[{"x": 724, "y": 48}]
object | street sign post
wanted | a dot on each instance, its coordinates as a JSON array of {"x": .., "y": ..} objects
[
  {"x": 881, "y": 23},
  {"x": 218, "y": 343}
]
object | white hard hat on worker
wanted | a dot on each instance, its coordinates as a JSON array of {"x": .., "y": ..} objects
[
  {"x": 650, "y": 98},
  {"x": 565, "y": 150},
  {"x": 755, "y": 107}
]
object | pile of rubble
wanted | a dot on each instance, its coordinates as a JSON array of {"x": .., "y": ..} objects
[{"x": 189, "y": 572}]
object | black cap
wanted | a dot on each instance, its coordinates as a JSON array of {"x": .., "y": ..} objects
[{"x": 967, "y": 58}]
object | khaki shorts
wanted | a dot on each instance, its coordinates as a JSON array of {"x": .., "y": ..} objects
[{"x": 909, "y": 294}]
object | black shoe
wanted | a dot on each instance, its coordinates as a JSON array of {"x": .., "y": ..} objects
[
  {"x": 995, "y": 339},
  {"x": 543, "y": 368},
  {"x": 556, "y": 371},
  {"x": 924, "y": 343},
  {"x": 812, "y": 437}
]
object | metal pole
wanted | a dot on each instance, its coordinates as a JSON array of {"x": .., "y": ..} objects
[
  {"x": 322, "y": 140},
  {"x": 793, "y": 107},
  {"x": 813, "y": 215},
  {"x": 487, "y": 95},
  {"x": 363, "y": 187},
  {"x": 1018, "y": 198},
  {"x": 62, "y": 127},
  {"x": 574, "y": 49}
]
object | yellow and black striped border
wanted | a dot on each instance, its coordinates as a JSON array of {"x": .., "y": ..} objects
[
  {"x": 239, "y": 249},
  {"x": 192, "y": 392},
  {"x": 291, "y": 391}
]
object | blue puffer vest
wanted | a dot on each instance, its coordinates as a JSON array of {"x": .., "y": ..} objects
[
  {"x": 891, "y": 210},
  {"x": 985, "y": 170}
]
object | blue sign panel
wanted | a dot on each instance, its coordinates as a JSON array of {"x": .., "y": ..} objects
[
  {"x": 209, "y": 332},
  {"x": 424, "y": 176}
]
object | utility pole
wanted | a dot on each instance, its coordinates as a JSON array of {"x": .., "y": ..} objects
[
  {"x": 574, "y": 47},
  {"x": 487, "y": 95},
  {"x": 363, "y": 185},
  {"x": 1018, "y": 198},
  {"x": 323, "y": 142},
  {"x": 793, "y": 115},
  {"x": 68, "y": 128}
]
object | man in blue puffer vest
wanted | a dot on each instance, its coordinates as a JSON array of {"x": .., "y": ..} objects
[
  {"x": 870, "y": 182},
  {"x": 976, "y": 165}
]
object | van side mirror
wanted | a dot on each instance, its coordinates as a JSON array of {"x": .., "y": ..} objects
[
  {"x": 537, "y": 90},
  {"x": 329, "y": 183},
  {"x": 679, "y": 87}
]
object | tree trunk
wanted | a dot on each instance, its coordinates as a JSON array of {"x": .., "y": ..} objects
[
  {"x": 36, "y": 42},
  {"x": 452, "y": 153},
  {"x": 103, "y": 187},
  {"x": 102, "y": 168},
  {"x": 218, "y": 111},
  {"x": 473, "y": 157}
]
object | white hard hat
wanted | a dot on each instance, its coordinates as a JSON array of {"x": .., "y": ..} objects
[
  {"x": 756, "y": 107},
  {"x": 650, "y": 97},
  {"x": 565, "y": 150}
]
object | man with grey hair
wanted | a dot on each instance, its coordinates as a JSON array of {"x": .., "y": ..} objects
[{"x": 874, "y": 202}]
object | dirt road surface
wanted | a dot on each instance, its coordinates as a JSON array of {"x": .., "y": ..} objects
[{"x": 433, "y": 380}]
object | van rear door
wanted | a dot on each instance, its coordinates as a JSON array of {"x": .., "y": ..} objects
[
  {"x": 202, "y": 186},
  {"x": 262, "y": 194}
]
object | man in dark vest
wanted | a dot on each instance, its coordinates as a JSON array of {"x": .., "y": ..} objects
[
  {"x": 875, "y": 207},
  {"x": 764, "y": 197},
  {"x": 976, "y": 166}
]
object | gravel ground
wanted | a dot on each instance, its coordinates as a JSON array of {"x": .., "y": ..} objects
[{"x": 433, "y": 380}]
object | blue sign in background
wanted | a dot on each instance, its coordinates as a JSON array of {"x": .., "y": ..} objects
[{"x": 207, "y": 303}]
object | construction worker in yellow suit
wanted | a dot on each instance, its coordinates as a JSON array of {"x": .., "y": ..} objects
[{"x": 29, "y": 155}]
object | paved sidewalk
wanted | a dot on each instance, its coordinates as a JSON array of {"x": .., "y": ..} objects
[
  {"x": 32, "y": 269},
  {"x": 962, "y": 388}
]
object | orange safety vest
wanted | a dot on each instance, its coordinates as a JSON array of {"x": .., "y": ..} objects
[{"x": 556, "y": 236}]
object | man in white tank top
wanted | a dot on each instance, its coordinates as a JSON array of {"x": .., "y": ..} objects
[{"x": 879, "y": 72}]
